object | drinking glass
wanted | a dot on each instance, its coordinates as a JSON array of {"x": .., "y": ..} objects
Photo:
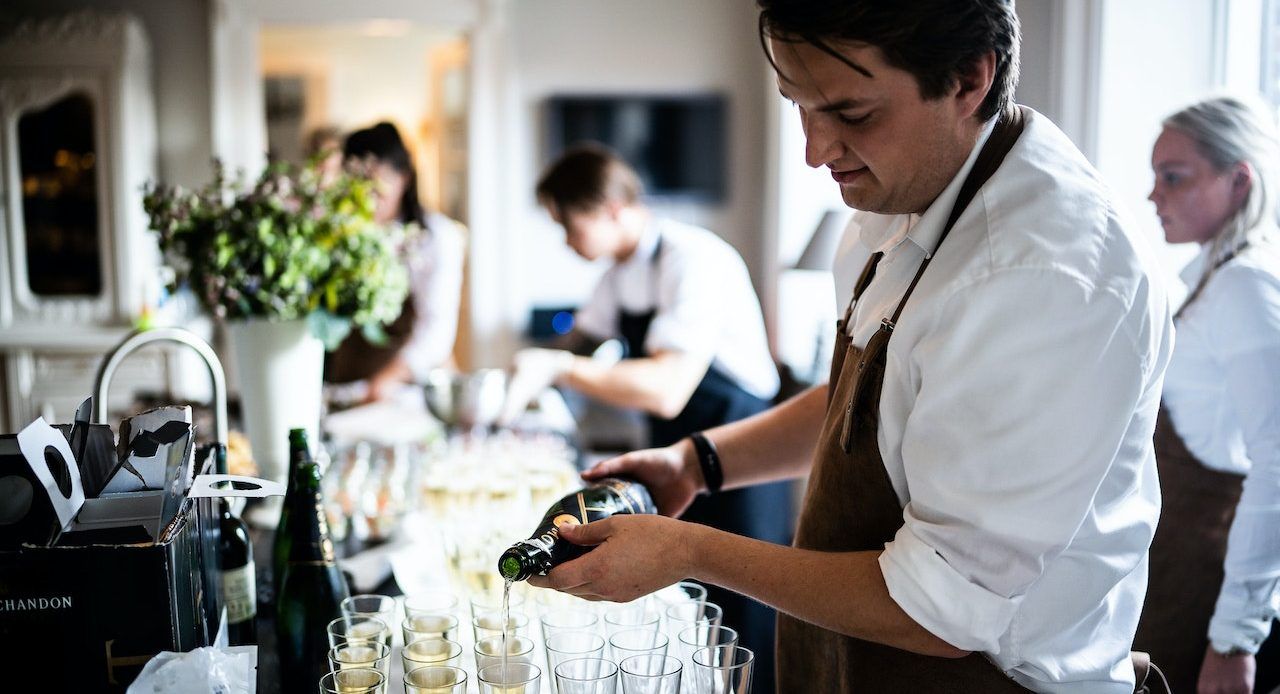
[
  {"x": 435, "y": 680},
  {"x": 626, "y": 618},
  {"x": 704, "y": 636},
  {"x": 427, "y": 625},
  {"x": 357, "y": 681},
  {"x": 637, "y": 642},
  {"x": 358, "y": 629},
  {"x": 650, "y": 674},
  {"x": 683, "y": 615},
  {"x": 547, "y": 599},
  {"x": 570, "y": 645},
  {"x": 515, "y": 678},
  {"x": 485, "y": 602},
  {"x": 430, "y": 602},
  {"x": 587, "y": 676},
  {"x": 489, "y": 650},
  {"x": 380, "y": 606},
  {"x": 351, "y": 656},
  {"x": 424, "y": 652},
  {"x": 684, "y": 591},
  {"x": 722, "y": 670},
  {"x": 489, "y": 624},
  {"x": 558, "y": 620}
]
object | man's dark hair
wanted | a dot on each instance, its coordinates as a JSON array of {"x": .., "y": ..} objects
[
  {"x": 586, "y": 177},
  {"x": 934, "y": 40},
  {"x": 383, "y": 143}
]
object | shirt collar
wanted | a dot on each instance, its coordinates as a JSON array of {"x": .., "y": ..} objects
[
  {"x": 924, "y": 229},
  {"x": 646, "y": 247}
]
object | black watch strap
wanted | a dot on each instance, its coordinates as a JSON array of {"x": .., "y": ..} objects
[{"x": 709, "y": 461}]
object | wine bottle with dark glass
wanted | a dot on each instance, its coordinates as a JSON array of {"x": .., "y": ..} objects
[
  {"x": 313, "y": 588},
  {"x": 546, "y": 549},
  {"x": 299, "y": 455},
  {"x": 235, "y": 552}
]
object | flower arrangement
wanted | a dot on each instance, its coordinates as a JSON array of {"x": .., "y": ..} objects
[{"x": 292, "y": 245}]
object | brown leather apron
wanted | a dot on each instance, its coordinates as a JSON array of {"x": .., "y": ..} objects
[
  {"x": 356, "y": 358},
  {"x": 1187, "y": 555},
  {"x": 850, "y": 504}
]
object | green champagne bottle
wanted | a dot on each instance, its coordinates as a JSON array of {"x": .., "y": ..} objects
[
  {"x": 545, "y": 549},
  {"x": 313, "y": 589},
  {"x": 299, "y": 455}
]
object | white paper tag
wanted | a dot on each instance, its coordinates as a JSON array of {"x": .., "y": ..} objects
[
  {"x": 33, "y": 441},
  {"x": 222, "y": 485}
]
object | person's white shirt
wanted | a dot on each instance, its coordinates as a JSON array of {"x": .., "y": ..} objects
[
  {"x": 705, "y": 303},
  {"x": 435, "y": 280},
  {"x": 1020, "y": 395},
  {"x": 1223, "y": 395}
]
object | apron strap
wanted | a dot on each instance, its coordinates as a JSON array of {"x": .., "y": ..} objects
[
  {"x": 1204, "y": 280},
  {"x": 864, "y": 280},
  {"x": 1007, "y": 130},
  {"x": 1147, "y": 678}
]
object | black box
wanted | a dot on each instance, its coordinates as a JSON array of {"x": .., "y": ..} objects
[{"x": 86, "y": 615}]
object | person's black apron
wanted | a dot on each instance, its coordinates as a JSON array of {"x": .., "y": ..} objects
[{"x": 763, "y": 512}]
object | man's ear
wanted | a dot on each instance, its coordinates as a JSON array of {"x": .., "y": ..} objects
[{"x": 974, "y": 82}]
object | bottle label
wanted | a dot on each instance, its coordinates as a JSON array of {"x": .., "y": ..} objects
[{"x": 239, "y": 594}]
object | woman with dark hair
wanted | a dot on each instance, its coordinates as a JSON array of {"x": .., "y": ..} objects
[
  {"x": 422, "y": 337},
  {"x": 1215, "y": 560}
]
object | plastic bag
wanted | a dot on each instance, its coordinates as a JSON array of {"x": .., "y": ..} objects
[{"x": 203, "y": 670}]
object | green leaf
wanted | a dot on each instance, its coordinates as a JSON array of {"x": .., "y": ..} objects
[
  {"x": 330, "y": 329},
  {"x": 374, "y": 333}
]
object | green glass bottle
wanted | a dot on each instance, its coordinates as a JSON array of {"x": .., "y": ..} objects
[
  {"x": 313, "y": 589},
  {"x": 235, "y": 553},
  {"x": 299, "y": 455},
  {"x": 545, "y": 550}
]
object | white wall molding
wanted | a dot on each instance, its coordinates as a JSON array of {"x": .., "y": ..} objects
[{"x": 1075, "y": 69}]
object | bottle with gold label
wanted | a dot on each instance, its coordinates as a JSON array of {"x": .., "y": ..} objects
[
  {"x": 545, "y": 549},
  {"x": 313, "y": 588}
]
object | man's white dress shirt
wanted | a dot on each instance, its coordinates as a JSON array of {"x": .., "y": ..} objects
[
  {"x": 1020, "y": 396},
  {"x": 705, "y": 304},
  {"x": 1223, "y": 395}
]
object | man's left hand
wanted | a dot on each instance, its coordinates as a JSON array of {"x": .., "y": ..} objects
[
  {"x": 634, "y": 556},
  {"x": 1226, "y": 674},
  {"x": 534, "y": 370}
]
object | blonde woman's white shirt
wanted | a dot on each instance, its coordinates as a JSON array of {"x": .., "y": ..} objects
[
  {"x": 703, "y": 300},
  {"x": 1223, "y": 395},
  {"x": 1020, "y": 395}
]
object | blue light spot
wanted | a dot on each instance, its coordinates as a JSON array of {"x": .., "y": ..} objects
[{"x": 562, "y": 322}]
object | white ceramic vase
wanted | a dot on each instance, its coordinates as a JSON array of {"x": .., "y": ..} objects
[{"x": 280, "y": 369}]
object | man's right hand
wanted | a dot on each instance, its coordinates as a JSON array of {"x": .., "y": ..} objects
[{"x": 671, "y": 474}]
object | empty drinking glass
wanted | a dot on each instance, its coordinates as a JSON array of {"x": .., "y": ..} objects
[
  {"x": 650, "y": 674},
  {"x": 489, "y": 624},
  {"x": 380, "y": 606},
  {"x": 637, "y": 642},
  {"x": 557, "y": 620},
  {"x": 489, "y": 650},
  {"x": 722, "y": 670},
  {"x": 570, "y": 645},
  {"x": 587, "y": 676}
]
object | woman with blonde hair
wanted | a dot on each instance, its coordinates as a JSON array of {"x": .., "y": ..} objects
[{"x": 1215, "y": 559}]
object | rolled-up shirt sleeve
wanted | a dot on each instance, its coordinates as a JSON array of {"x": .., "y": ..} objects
[{"x": 1026, "y": 386}]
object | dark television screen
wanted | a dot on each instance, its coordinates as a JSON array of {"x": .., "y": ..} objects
[{"x": 675, "y": 143}]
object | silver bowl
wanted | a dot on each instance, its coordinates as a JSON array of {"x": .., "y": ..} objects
[{"x": 466, "y": 400}]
